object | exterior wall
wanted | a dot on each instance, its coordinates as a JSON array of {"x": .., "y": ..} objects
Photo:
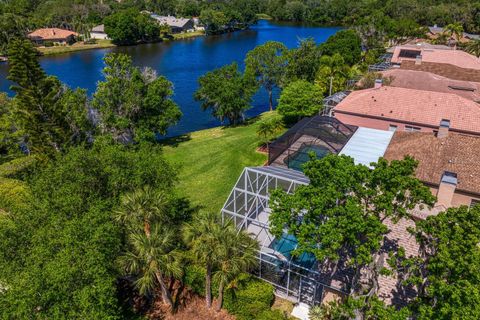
[
  {"x": 98, "y": 35},
  {"x": 376, "y": 123},
  {"x": 459, "y": 198}
]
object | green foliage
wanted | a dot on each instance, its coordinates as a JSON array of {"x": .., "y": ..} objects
[
  {"x": 194, "y": 278},
  {"x": 298, "y": 100},
  {"x": 130, "y": 27},
  {"x": 332, "y": 74},
  {"x": 369, "y": 309},
  {"x": 303, "y": 62},
  {"x": 368, "y": 80},
  {"x": 267, "y": 63},
  {"x": 269, "y": 128},
  {"x": 213, "y": 20},
  {"x": 57, "y": 253},
  {"x": 346, "y": 43},
  {"x": 343, "y": 208},
  {"x": 227, "y": 92},
  {"x": 47, "y": 115},
  {"x": 450, "y": 260},
  {"x": 134, "y": 105},
  {"x": 473, "y": 47},
  {"x": 253, "y": 298}
]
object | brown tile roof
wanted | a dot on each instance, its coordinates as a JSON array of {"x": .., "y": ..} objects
[
  {"x": 420, "y": 107},
  {"x": 457, "y": 58},
  {"x": 421, "y": 80},
  {"x": 457, "y": 153},
  {"x": 51, "y": 34},
  {"x": 444, "y": 69}
]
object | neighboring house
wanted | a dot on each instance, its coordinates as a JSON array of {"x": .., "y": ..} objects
[
  {"x": 428, "y": 81},
  {"x": 449, "y": 163},
  {"x": 394, "y": 108},
  {"x": 453, "y": 64},
  {"x": 198, "y": 24},
  {"x": 177, "y": 25},
  {"x": 436, "y": 31},
  {"x": 98, "y": 32},
  {"x": 54, "y": 35}
]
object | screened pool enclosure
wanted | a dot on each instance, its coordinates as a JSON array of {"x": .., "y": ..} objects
[
  {"x": 319, "y": 135},
  {"x": 295, "y": 277}
]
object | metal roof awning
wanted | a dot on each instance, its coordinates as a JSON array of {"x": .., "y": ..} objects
[{"x": 367, "y": 145}]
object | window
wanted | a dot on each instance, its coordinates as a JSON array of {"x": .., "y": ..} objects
[
  {"x": 392, "y": 127},
  {"x": 474, "y": 202},
  {"x": 412, "y": 129}
]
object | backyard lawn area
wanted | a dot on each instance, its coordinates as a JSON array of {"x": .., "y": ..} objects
[{"x": 210, "y": 161}]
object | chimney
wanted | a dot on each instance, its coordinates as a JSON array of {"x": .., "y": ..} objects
[
  {"x": 418, "y": 60},
  {"x": 443, "y": 128},
  {"x": 378, "y": 83},
  {"x": 446, "y": 189}
]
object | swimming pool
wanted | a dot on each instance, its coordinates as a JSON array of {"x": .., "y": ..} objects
[
  {"x": 296, "y": 160},
  {"x": 286, "y": 244}
]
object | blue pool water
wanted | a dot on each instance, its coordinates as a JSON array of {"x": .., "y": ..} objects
[
  {"x": 296, "y": 160},
  {"x": 286, "y": 244}
]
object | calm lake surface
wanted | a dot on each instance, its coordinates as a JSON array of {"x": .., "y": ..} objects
[{"x": 182, "y": 62}]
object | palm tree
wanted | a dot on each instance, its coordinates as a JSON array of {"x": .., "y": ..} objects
[
  {"x": 333, "y": 72},
  {"x": 153, "y": 258},
  {"x": 238, "y": 254},
  {"x": 455, "y": 30},
  {"x": 143, "y": 207},
  {"x": 269, "y": 128},
  {"x": 473, "y": 47},
  {"x": 202, "y": 237}
]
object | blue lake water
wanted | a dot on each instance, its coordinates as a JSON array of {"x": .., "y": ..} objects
[{"x": 182, "y": 62}]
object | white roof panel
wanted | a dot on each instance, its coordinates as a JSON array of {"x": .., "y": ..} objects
[{"x": 367, "y": 145}]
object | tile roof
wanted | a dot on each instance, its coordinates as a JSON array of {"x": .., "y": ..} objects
[
  {"x": 457, "y": 58},
  {"x": 455, "y": 153},
  {"x": 421, "y": 107},
  {"x": 51, "y": 34},
  {"x": 422, "y": 80},
  {"x": 100, "y": 28}
]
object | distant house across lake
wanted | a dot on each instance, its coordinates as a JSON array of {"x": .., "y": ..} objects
[
  {"x": 176, "y": 24},
  {"x": 52, "y": 35},
  {"x": 98, "y": 32}
]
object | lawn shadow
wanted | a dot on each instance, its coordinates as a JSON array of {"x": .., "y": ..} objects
[
  {"x": 175, "y": 141},
  {"x": 245, "y": 123}
]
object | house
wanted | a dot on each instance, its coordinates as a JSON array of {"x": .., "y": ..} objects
[
  {"x": 453, "y": 64},
  {"x": 428, "y": 81},
  {"x": 98, "y": 32},
  {"x": 177, "y": 25},
  {"x": 436, "y": 31},
  {"x": 403, "y": 109},
  {"x": 448, "y": 162},
  {"x": 54, "y": 35}
]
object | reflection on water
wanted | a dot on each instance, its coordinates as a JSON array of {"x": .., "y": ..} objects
[{"x": 182, "y": 62}]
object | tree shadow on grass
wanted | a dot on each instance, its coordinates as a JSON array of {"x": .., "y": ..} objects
[{"x": 175, "y": 141}]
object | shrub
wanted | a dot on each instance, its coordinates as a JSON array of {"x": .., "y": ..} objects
[
  {"x": 195, "y": 279},
  {"x": 252, "y": 299},
  {"x": 48, "y": 44},
  {"x": 298, "y": 100}
]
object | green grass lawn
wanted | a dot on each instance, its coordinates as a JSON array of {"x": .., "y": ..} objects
[
  {"x": 210, "y": 161},
  {"x": 78, "y": 46}
]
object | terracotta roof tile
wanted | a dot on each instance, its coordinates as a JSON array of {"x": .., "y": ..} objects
[
  {"x": 51, "y": 34},
  {"x": 455, "y": 153},
  {"x": 415, "y": 106},
  {"x": 421, "y": 80}
]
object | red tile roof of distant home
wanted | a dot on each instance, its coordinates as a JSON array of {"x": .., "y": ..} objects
[
  {"x": 422, "y": 80},
  {"x": 51, "y": 34},
  {"x": 455, "y": 153},
  {"x": 421, "y": 107},
  {"x": 457, "y": 58}
]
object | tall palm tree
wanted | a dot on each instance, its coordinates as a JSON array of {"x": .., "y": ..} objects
[
  {"x": 143, "y": 207},
  {"x": 333, "y": 73},
  {"x": 153, "y": 259},
  {"x": 473, "y": 47},
  {"x": 238, "y": 254},
  {"x": 202, "y": 236}
]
